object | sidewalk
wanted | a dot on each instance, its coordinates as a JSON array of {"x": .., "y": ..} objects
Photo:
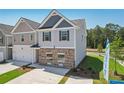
[{"x": 78, "y": 80}]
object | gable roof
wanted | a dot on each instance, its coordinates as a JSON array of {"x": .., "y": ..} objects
[
  {"x": 6, "y": 29},
  {"x": 78, "y": 22},
  {"x": 27, "y": 22},
  {"x": 52, "y": 15},
  {"x": 33, "y": 24}
]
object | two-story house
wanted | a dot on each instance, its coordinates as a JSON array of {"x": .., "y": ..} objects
[
  {"x": 5, "y": 42},
  {"x": 57, "y": 41},
  {"x": 24, "y": 36}
]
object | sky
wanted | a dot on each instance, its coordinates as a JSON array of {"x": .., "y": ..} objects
[{"x": 93, "y": 17}]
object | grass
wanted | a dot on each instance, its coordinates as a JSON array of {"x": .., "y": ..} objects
[
  {"x": 95, "y": 63},
  {"x": 12, "y": 74},
  {"x": 120, "y": 71}
]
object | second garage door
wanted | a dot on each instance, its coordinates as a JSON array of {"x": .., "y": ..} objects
[{"x": 24, "y": 53}]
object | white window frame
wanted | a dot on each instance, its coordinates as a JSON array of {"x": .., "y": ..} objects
[
  {"x": 22, "y": 37},
  {"x": 1, "y": 40},
  {"x": 47, "y": 53},
  {"x": 31, "y": 37},
  {"x": 64, "y": 33},
  {"x": 46, "y": 34},
  {"x": 61, "y": 60}
]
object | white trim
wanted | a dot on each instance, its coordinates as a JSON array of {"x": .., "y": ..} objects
[
  {"x": 24, "y": 32},
  {"x": 47, "y": 53},
  {"x": 61, "y": 53},
  {"x": 20, "y": 20},
  {"x": 61, "y": 60},
  {"x": 50, "y": 14},
  {"x": 4, "y": 33},
  {"x": 16, "y": 25},
  {"x": 9, "y": 35},
  {"x": 75, "y": 46},
  {"x": 59, "y": 47},
  {"x": 58, "y": 23},
  {"x": 2, "y": 46},
  {"x": 50, "y": 29},
  {"x": 28, "y": 25}
]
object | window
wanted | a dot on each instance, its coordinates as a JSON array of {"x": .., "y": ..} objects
[
  {"x": 82, "y": 37},
  {"x": 31, "y": 37},
  {"x": 22, "y": 38},
  {"x": 46, "y": 36},
  {"x": 61, "y": 57},
  {"x": 64, "y": 35},
  {"x": 1, "y": 40},
  {"x": 49, "y": 57},
  {"x": 14, "y": 39}
]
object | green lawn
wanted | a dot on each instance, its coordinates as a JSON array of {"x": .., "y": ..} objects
[
  {"x": 94, "y": 63},
  {"x": 11, "y": 75},
  {"x": 120, "y": 70}
]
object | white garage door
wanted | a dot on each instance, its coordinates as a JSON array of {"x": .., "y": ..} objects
[
  {"x": 24, "y": 53},
  {"x": 1, "y": 56}
]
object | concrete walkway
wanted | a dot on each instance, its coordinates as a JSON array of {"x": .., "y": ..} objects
[
  {"x": 7, "y": 67},
  {"x": 41, "y": 75},
  {"x": 78, "y": 80}
]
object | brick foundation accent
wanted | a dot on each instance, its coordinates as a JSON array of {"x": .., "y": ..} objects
[{"x": 69, "y": 57}]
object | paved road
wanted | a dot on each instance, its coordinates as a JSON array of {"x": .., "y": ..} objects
[
  {"x": 7, "y": 67},
  {"x": 78, "y": 80},
  {"x": 41, "y": 75}
]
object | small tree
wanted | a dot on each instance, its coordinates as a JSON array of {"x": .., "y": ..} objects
[
  {"x": 116, "y": 50},
  {"x": 100, "y": 47}
]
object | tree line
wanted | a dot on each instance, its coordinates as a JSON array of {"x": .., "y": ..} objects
[{"x": 96, "y": 37}]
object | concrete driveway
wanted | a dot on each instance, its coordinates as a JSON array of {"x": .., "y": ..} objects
[
  {"x": 41, "y": 75},
  {"x": 78, "y": 80},
  {"x": 7, "y": 67}
]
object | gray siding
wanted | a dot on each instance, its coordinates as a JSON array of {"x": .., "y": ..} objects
[
  {"x": 27, "y": 39},
  {"x": 4, "y": 52},
  {"x": 51, "y": 21},
  {"x": 64, "y": 23},
  {"x": 23, "y": 27}
]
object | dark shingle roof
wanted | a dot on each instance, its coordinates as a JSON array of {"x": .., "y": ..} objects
[
  {"x": 6, "y": 29},
  {"x": 78, "y": 22}
]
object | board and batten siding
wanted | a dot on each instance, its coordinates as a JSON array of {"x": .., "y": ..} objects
[
  {"x": 2, "y": 36},
  {"x": 3, "y": 50},
  {"x": 80, "y": 43},
  {"x": 55, "y": 41},
  {"x": 27, "y": 39}
]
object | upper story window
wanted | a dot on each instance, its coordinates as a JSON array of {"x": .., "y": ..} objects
[
  {"x": 22, "y": 38},
  {"x": 46, "y": 36},
  {"x": 31, "y": 37},
  {"x": 1, "y": 40},
  {"x": 64, "y": 35}
]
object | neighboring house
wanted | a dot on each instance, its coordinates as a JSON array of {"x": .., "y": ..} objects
[
  {"x": 24, "y": 36},
  {"x": 5, "y": 42},
  {"x": 57, "y": 41}
]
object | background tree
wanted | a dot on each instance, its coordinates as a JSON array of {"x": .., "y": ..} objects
[{"x": 116, "y": 47}]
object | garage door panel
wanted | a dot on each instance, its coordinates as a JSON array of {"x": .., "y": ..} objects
[
  {"x": 24, "y": 53},
  {"x": 1, "y": 56}
]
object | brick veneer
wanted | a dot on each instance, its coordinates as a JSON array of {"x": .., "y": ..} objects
[{"x": 69, "y": 56}]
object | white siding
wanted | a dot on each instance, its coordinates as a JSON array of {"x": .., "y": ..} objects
[
  {"x": 3, "y": 50},
  {"x": 55, "y": 40},
  {"x": 24, "y": 53},
  {"x": 80, "y": 43}
]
